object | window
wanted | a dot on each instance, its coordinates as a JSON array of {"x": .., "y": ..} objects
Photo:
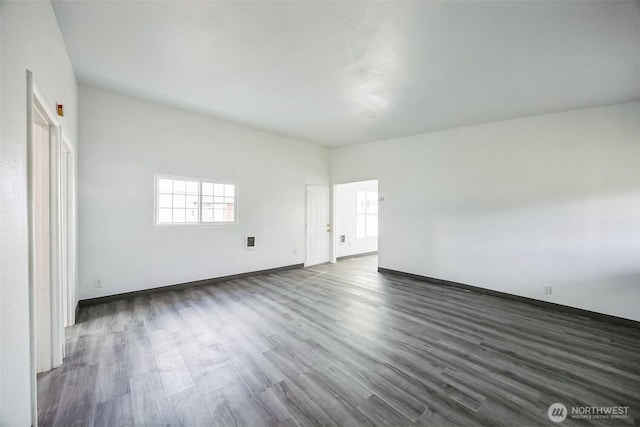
[
  {"x": 218, "y": 202},
  {"x": 177, "y": 201},
  {"x": 194, "y": 201},
  {"x": 367, "y": 214}
]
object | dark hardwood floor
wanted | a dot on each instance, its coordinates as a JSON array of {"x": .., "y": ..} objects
[{"x": 336, "y": 345}]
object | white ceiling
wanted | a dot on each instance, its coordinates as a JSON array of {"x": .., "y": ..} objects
[{"x": 342, "y": 72}]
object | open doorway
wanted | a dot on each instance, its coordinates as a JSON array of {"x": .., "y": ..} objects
[{"x": 356, "y": 219}]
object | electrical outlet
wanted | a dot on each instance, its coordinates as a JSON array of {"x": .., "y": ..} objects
[
  {"x": 547, "y": 289},
  {"x": 98, "y": 283},
  {"x": 295, "y": 252}
]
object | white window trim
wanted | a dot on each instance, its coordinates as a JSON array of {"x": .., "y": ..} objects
[{"x": 159, "y": 176}]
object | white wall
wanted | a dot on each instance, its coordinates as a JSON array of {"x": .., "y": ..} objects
[
  {"x": 515, "y": 205},
  {"x": 126, "y": 141},
  {"x": 345, "y": 220},
  {"x": 30, "y": 39}
]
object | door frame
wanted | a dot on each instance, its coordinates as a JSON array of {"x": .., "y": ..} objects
[{"x": 37, "y": 100}]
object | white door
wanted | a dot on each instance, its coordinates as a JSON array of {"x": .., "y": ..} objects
[
  {"x": 67, "y": 233},
  {"x": 64, "y": 234},
  {"x": 42, "y": 243},
  {"x": 66, "y": 271},
  {"x": 318, "y": 226}
]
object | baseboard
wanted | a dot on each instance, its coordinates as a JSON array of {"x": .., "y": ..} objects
[
  {"x": 179, "y": 286},
  {"x": 340, "y": 258},
  {"x": 77, "y": 311},
  {"x": 620, "y": 321}
]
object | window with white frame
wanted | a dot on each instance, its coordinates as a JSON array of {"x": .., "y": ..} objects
[
  {"x": 367, "y": 214},
  {"x": 194, "y": 201}
]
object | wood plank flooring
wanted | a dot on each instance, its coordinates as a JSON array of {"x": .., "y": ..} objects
[{"x": 335, "y": 345}]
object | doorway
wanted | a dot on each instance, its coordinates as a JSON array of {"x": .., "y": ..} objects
[{"x": 355, "y": 219}]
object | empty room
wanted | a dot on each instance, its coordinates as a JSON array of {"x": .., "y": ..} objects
[{"x": 319, "y": 213}]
